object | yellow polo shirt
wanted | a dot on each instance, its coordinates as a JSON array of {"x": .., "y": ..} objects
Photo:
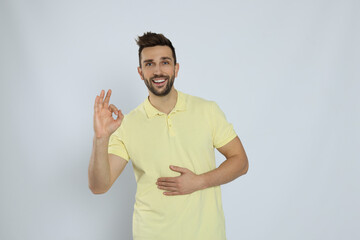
[{"x": 186, "y": 137}]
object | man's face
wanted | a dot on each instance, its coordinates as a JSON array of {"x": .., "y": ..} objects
[{"x": 158, "y": 69}]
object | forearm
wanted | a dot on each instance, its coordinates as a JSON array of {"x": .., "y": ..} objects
[
  {"x": 229, "y": 170},
  {"x": 99, "y": 168}
]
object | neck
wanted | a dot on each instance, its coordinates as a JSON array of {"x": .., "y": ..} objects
[{"x": 164, "y": 103}]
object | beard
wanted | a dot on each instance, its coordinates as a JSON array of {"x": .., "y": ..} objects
[{"x": 164, "y": 90}]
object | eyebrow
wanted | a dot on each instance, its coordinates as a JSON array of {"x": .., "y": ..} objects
[
  {"x": 162, "y": 58},
  {"x": 148, "y": 60},
  {"x": 166, "y": 58}
]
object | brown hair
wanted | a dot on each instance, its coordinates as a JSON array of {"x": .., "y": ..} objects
[{"x": 151, "y": 39}]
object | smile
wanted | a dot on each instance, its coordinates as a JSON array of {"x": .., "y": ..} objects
[{"x": 159, "y": 81}]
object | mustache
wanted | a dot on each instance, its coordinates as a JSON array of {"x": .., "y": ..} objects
[{"x": 159, "y": 76}]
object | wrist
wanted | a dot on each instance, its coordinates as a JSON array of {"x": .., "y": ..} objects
[
  {"x": 101, "y": 139},
  {"x": 202, "y": 182}
]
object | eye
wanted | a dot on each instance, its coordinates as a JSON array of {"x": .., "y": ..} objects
[
  {"x": 148, "y": 64},
  {"x": 165, "y": 63}
]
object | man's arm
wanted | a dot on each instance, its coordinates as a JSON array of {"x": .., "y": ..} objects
[
  {"x": 104, "y": 168},
  {"x": 235, "y": 165}
]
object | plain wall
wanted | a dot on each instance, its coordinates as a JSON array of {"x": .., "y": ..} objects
[{"x": 285, "y": 73}]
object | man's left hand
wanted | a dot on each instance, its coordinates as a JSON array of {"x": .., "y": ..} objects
[{"x": 188, "y": 182}]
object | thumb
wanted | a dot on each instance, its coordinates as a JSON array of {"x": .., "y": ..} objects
[
  {"x": 120, "y": 116},
  {"x": 178, "y": 169}
]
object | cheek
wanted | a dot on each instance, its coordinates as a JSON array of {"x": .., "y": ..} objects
[
  {"x": 145, "y": 75},
  {"x": 169, "y": 70}
]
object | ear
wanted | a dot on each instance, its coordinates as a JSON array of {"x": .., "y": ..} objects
[
  {"x": 177, "y": 66},
  {"x": 140, "y": 73}
]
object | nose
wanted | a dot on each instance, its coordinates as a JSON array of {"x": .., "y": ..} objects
[{"x": 157, "y": 70}]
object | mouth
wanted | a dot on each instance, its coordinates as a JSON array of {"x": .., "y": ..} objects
[{"x": 159, "y": 82}]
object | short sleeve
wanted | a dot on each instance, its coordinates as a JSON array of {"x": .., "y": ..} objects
[
  {"x": 116, "y": 144},
  {"x": 223, "y": 131}
]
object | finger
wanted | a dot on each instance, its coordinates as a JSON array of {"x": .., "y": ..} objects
[
  {"x": 96, "y": 107},
  {"x": 167, "y": 179},
  {"x": 102, "y": 93},
  {"x": 178, "y": 169},
  {"x": 100, "y": 99},
  {"x": 171, "y": 193},
  {"x": 113, "y": 109},
  {"x": 167, "y": 184},
  {"x": 120, "y": 116},
  {"x": 107, "y": 98},
  {"x": 98, "y": 104},
  {"x": 171, "y": 189}
]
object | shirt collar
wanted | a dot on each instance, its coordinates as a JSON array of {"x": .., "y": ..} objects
[{"x": 180, "y": 105}]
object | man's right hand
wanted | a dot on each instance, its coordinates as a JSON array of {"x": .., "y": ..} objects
[{"x": 104, "y": 123}]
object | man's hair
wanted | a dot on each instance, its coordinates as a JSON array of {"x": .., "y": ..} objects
[{"x": 151, "y": 39}]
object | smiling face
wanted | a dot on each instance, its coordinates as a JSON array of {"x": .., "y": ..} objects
[{"x": 158, "y": 69}]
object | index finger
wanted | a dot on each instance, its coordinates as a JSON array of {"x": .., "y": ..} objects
[{"x": 167, "y": 179}]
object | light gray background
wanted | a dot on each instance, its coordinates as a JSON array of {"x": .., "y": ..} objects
[{"x": 286, "y": 74}]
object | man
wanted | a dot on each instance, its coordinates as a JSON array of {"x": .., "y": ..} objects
[{"x": 170, "y": 139}]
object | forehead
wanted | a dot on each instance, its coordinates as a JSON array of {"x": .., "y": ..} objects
[{"x": 156, "y": 52}]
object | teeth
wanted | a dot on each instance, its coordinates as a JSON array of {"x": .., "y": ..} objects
[{"x": 159, "y": 81}]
